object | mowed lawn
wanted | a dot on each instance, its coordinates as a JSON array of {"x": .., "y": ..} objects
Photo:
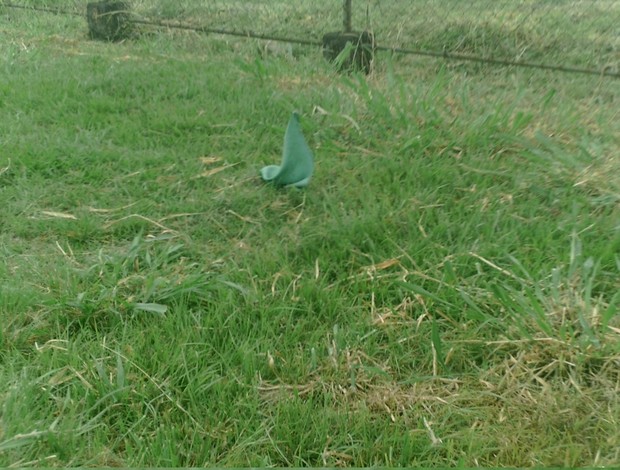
[{"x": 444, "y": 293}]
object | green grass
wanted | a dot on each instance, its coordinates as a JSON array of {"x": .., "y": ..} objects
[{"x": 444, "y": 293}]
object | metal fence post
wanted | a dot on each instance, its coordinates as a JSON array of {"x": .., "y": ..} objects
[{"x": 347, "y": 16}]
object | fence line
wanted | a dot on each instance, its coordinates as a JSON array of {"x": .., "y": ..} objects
[
  {"x": 226, "y": 32},
  {"x": 503, "y": 62},
  {"x": 58, "y": 11},
  {"x": 460, "y": 37}
]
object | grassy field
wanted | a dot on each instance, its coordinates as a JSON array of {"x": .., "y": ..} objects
[{"x": 444, "y": 293}]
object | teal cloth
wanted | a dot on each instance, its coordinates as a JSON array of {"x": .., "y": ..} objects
[{"x": 297, "y": 161}]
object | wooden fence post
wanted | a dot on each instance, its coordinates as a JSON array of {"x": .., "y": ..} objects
[{"x": 109, "y": 20}]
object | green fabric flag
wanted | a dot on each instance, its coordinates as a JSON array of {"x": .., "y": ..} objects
[{"x": 297, "y": 162}]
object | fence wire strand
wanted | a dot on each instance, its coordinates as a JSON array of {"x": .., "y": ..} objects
[{"x": 577, "y": 36}]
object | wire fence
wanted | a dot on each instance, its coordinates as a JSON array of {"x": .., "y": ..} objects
[{"x": 569, "y": 35}]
